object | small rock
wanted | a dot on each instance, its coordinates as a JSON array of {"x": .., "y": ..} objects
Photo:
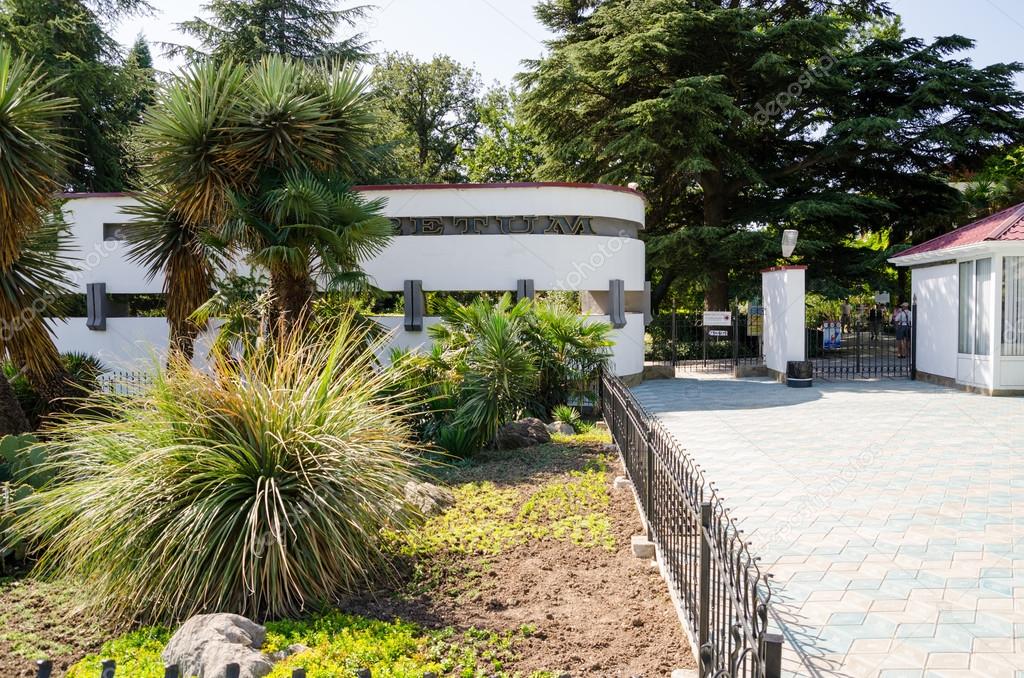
[
  {"x": 207, "y": 643},
  {"x": 428, "y": 498},
  {"x": 642, "y": 547},
  {"x": 685, "y": 673},
  {"x": 621, "y": 483},
  {"x": 561, "y": 427},
  {"x": 523, "y": 433},
  {"x": 601, "y": 425}
]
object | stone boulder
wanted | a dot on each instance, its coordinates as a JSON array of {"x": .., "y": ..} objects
[
  {"x": 561, "y": 427},
  {"x": 523, "y": 433},
  {"x": 428, "y": 498},
  {"x": 207, "y": 643}
]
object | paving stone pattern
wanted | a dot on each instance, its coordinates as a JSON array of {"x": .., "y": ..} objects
[{"x": 890, "y": 514}]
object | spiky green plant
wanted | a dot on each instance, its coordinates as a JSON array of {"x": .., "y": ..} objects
[
  {"x": 260, "y": 489},
  {"x": 567, "y": 415}
]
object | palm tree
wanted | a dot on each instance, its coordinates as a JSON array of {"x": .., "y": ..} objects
[
  {"x": 33, "y": 278},
  {"x": 259, "y": 155},
  {"x": 186, "y": 255}
]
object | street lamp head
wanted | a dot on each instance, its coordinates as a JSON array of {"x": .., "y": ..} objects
[{"x": 789, "y": 238}]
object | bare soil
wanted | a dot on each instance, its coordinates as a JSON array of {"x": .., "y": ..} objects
[{"x": 596, "y": 612}]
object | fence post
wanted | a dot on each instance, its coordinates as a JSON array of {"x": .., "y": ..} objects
[
  {"x": 171, "y": 671},
  {"x": 913, "y": 340},
  {"x": 44, "y": 668},
  {"x": 704, "y": 608},
  {"x": 232, "y": 671},
  {"x": 299, "y": 673},
  {"x": 107, "y": 668},
  {"x": 674, "y": 333},
  {"x": 363, "y": 673},
  {"x": 773, "y": 655},
  {"x": 649, "y": 478}
]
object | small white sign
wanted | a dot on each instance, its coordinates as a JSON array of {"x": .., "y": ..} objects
[
  {"x": 718, "y": 333},
  {"x": 882, "y": 298},
  {"x": 717, "y": 318}
]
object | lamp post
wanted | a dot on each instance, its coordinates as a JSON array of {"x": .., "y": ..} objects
[{"x": 789, "y": 238}]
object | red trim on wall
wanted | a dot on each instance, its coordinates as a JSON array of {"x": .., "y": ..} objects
[
  {"x": 792, "y": 267},
  {"x": 513, "y": 184},
  {"x": 418, "y": 187}
]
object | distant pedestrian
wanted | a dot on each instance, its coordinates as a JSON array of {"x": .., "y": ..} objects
[
  {"x": 902, "y": 320},
  {"x": 875, "y": 317}
]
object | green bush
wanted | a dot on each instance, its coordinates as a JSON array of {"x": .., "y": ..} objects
[
  {"x": 84, "y": 371},
  {"x": 261, "y": 488},
  {"x": 492, "y": 363},
  {"x": 568, "y": 415}
]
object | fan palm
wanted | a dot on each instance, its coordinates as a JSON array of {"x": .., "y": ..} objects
[
  {"x": 33, "y": 157},
  {"x": 259, "y": 155}
]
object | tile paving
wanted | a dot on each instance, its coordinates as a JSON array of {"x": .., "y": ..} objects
[{"x": 890, "y": 514}]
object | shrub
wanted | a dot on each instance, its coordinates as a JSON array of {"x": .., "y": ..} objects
[
  {"x": 83, "y": 371},
  {"x": 493, "y": 363},
  {"x": 568, "y": 415},
  {"x": 261, "y": 488}
]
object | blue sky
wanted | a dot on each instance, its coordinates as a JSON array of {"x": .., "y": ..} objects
[{"x": 495, "y": 35}]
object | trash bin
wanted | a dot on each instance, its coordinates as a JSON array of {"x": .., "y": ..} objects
[{"x": 798, "y": 373}]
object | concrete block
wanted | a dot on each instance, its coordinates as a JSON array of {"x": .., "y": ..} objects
[
  {"x": 642, "y": 547},
  {"x": 685, "y": 673},
  {"x": 621, "y": 483}
]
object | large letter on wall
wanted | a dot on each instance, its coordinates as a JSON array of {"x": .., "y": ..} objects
[
  {"x": 96, "y": 306},
  {"x": 617, "y": 303},
  {"x": 785, "y": 333},
  {"x": 414, "y": 305}
]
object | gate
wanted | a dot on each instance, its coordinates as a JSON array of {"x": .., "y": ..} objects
[
  {"x": 862, "y": 345},
  {"x": 682, "y": 340}
]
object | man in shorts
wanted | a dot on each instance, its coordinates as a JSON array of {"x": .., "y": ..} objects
[{"x": 901, "y": 321}]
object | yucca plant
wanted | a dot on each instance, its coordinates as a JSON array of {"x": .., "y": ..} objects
[
  {"x": 261, "y": 488},
  {"x": 261, "y": 155},
  {"x": 33, "y": 159},
  {"x": 568, "y": 415}
]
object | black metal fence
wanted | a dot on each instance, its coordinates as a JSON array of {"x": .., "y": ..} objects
[
  {"x": 126, "y": 382},
  {"x": 682, "y": 340},
  {"x": 108, "y": 669},
  {"x": 723, "y": 594},
  {"x": 861, "y": 347}
]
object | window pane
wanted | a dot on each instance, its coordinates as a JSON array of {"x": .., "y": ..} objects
[
  {"x": 1013, "y": 306},
  {"x": 966, "y": 343},
  {"x": 983, "y": 303}
]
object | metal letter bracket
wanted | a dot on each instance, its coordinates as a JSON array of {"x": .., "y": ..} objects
[
  {"x": 96, "y": 306},
  {"x": 617, "y": 303},
  {"x": 414, "y": 305},
  {"x": 524, "y": 289}
]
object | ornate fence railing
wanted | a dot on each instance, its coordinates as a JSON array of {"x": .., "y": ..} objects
[
  {"x": 723, "y": 596},
  {"x": 44, "y": 669}
]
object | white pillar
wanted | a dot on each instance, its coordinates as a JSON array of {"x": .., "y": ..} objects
[{"x": 785, "y": 335}]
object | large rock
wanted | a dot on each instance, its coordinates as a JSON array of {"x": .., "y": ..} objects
[
  {"x": 561, "y": 427},
  {"x": 207, "y": 643},
  {"x": 522, "y": 433},
  {"x": 428, "y": 498}
]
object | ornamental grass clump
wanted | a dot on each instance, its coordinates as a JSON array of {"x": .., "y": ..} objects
[{"x": 261, "y": 488}]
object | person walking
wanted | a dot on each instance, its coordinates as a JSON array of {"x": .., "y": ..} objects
[
  {"x": 875, "y": 316},
  {"x": 902, "y": 320}
]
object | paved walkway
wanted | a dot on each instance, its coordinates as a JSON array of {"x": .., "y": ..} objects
[{"x": 891, "y": 515}]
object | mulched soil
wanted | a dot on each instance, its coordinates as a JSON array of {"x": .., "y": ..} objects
[{"x": 597, "y": 613}]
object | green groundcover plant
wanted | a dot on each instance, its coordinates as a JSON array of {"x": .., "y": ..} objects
[
  {"x": 261, "y": 487},
  {"x": 339, "y": 644}
]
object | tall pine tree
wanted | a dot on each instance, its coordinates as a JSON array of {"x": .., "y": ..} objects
[
  {"x": 246, "y": 30},
  {"x": 742, "y": 117}
]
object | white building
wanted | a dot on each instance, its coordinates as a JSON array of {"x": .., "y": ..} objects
[
  {"x": 469, "y": 237},
  {"x": 969, "y": 289}
]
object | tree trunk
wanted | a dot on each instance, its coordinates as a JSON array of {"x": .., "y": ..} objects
[
  {"x": 716, "y": 293},
  {"x": 12, "y": 417},
  {"x": 659, "y": 291},
  {"x": 293, "y": 295},
  {"x": 901, "y": 284}
]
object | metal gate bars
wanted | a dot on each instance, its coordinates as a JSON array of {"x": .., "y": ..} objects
[
  {"x": 723, "y": 596},
  {"x": 862, "y": 347}
]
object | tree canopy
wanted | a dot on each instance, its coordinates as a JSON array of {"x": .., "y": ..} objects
[
  {"x": 739, "y": 119},
  {"x": 246, "y": 30}
]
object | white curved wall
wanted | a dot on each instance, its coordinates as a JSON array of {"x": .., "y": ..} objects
[{"x": 461, "y": 262}]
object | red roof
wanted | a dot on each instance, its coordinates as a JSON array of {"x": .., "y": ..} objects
[{"x": 1005, "y": 225}]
